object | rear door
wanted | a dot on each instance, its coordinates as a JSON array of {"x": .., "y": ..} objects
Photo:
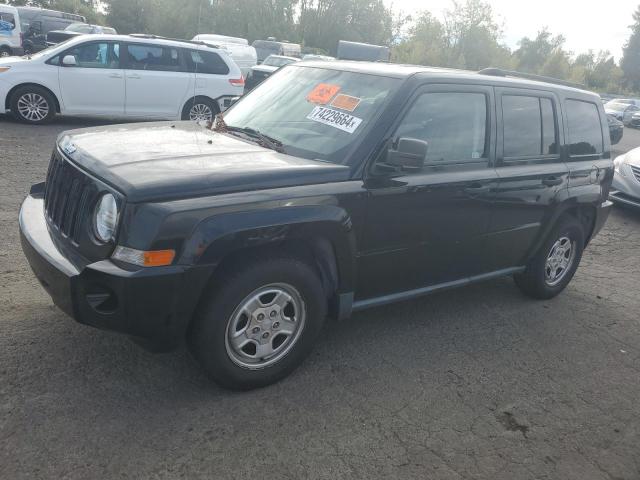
[
  {"x": 531, "y": 170},
  {"x": 157, "y": 80},
  {"x": 95, "y": 85},
  {"x": 427, "y": 227}
]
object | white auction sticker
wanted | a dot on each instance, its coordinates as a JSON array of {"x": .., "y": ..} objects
[{"x": 344, "y": 121}]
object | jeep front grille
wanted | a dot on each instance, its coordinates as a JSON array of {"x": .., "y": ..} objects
[
  {"x": 636, "y": 172},
  {"x": 68, "y": 193}
]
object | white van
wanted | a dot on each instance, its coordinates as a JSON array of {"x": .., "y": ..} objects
[
  {"x": 10, "y": 32},
  {"x": 238, "y": 49}
]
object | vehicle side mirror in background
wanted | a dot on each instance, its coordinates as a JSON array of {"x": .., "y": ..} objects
[
  {"x": 69, "y": 61},
  {"x": 407, "y": 153}
]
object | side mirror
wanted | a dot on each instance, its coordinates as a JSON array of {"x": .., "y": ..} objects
[
  {"x": 69, "y": 61},
  {"x": 407, "y": 153}
]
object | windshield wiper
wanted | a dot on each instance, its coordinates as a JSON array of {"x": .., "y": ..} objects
[{"x": 263, "y": 140}]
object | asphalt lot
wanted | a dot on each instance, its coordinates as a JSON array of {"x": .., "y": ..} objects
[{"x": 478, "y": 383}]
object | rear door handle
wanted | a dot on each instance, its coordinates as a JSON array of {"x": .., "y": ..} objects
[
  {"x": 115, "y": 75},
  {"x": 552, "y": 181},
  {"x": 134, "y": 77},
  {"x": 476, "y": 188}
]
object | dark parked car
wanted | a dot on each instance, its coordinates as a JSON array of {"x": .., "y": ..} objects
[
  {"x": 57, "y": 36},
  {"x": 37, "y": 22},
  {"x": 331, "y": 188},
  {"x": 259, "y": 73},
  {"x": 616, "y": 129}
]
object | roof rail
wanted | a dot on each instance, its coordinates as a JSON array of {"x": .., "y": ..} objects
[
  {"x": 159, "y": 37},
  {"x": 499, "y": 72}
]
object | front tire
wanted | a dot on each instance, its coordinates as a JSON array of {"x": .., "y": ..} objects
[
  {"x": 553, "y": 267},
  {"x": 33, "y": 105},
  {"x": 5, "y": 52},
  {"x": 260, "y": 321}
]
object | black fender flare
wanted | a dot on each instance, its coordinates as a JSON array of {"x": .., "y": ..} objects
[{"x": 219, "y": 236}]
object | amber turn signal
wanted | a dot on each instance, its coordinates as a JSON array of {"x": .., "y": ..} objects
[{"x": 153, "y": 258}]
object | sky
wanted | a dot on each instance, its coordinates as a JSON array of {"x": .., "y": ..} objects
[{"x": 585, "y": 24}]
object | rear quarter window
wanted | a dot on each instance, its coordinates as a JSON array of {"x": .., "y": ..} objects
[
  {"x": 201, "y": 61},
  {"x": 585, "y": 129}
]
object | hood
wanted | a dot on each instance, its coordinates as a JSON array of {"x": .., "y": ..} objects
[
  {"x": 168, "y": 161},
  {"x": 264, "y": 68},
  {"x": 632, "y": 157},
  {"x": 11, "y": 61}
]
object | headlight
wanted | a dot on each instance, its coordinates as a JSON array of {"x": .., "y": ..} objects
[{"x": 106, "y": 218}]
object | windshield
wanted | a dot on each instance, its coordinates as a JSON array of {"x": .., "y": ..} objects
[
  {"x": 79, "y": 28},
  {"x": 277, "y": 61},
  {"x": 316, "y": 113},
  {"x": 52, "y": 49}
]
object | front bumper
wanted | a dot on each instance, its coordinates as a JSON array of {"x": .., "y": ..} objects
[
  {"x": 625, "y": 188},
  {"x": 154, "y": 305}
]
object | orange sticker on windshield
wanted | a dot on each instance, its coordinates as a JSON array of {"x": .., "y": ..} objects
[
  {"x": 322, "y": 93},
  {"x": 345, "y": 102}
]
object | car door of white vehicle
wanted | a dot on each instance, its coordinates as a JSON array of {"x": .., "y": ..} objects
[
  {"x": 95, "y": 85},
  {"x": 157, "y": 81}
]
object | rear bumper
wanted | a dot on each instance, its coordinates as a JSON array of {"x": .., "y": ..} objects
[{"x": 154, "y": 305}]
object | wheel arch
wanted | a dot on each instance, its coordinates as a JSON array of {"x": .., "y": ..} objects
[
  {"x": 7, "y": 101},
  {"x": 321, "y": 236}
]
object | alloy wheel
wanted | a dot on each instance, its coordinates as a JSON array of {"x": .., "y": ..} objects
[
  {"x": 265, "y": 326},
  {"x": 200, "y": 112},
  {"x": 559, "y": 261},
  {"x": 33, "y": 107}
]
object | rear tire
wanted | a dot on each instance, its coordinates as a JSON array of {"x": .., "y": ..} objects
[
  {"x": 553, "y": 267},
  {"x": 32, "y": 104},
  {"x": 274, "y": 307},
  {"x": 200, "y": 109},
  {"x": 5, "y": 52}
]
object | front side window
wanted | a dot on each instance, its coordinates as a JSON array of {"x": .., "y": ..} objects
[
  {"x": 95, "y": 55},
  {"x": 529, "y": 126},
  {"x": 207, "y": 62},
  {"x": 585, "y": 130},
  {"x": 454, "y": 125},
  {"x": 153, "y": 57},
  {"x": 317, "y": 113}
]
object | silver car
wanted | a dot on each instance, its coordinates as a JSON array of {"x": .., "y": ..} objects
[
  {"x": 621, "y": 111},
  {"x": 626, "y": 179}
]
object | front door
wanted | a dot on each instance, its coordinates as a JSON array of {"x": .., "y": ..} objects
[
  {"x": 157, "y": 81},
  {"x": 427, "y": 226},
  {"x": 95, "y": 85}
]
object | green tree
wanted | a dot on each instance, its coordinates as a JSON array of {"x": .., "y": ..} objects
[
  {"x": 543, "y": 53},
  {"x": 630, "y": 62}
]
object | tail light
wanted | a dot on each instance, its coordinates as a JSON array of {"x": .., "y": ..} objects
[{"x": 237, "y": 82}]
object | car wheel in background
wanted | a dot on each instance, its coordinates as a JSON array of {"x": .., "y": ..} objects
[
  {"x": 553, "y": 267},
  {"x": 257, "y": 326},
  {"x": 200, "y": 109},
  {"x": 5, "y": 52},
  {"x": 32, "y": 104}
]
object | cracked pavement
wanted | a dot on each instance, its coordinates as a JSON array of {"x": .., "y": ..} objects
[{"x": 476, "y": 383}]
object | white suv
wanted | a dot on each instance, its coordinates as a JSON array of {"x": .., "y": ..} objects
[{"x": 120, "y": 75}]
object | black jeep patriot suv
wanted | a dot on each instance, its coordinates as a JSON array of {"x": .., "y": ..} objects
[{"x": 330, "y": 188}]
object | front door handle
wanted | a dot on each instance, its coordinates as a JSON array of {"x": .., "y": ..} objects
[
  {"x": 552, "y": 181},
  {"x": 115, "y": 75},
  {"x": 134, "y": 77}
]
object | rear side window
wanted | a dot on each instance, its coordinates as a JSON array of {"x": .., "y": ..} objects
[
  {"x": 529, "y": 126},
  {"x": 454, "y": 124},
  {"x": 201, "y": 61},
  {"x": 585, "y": 130},
  {"x": 153, "y": 57}
]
